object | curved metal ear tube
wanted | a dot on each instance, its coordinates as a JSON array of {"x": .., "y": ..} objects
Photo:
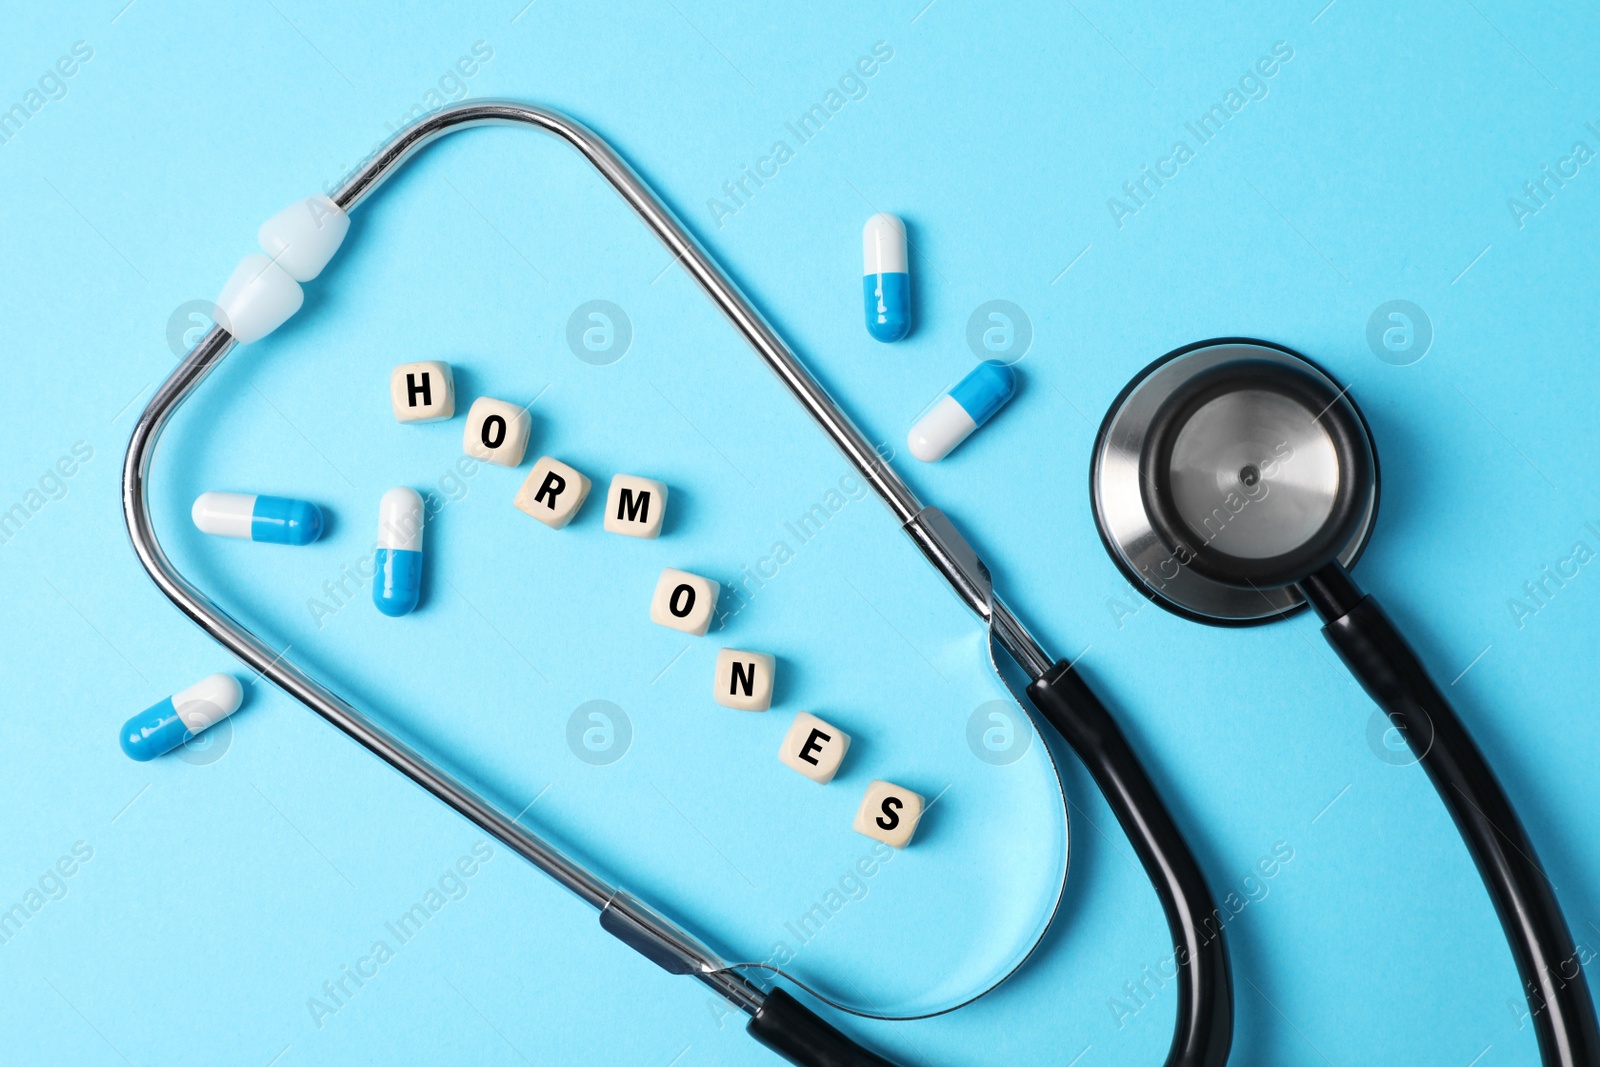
[{"x": 258, "y": 299}]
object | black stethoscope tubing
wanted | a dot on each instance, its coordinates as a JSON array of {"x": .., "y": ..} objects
[{"x": 1361, "y": 633}]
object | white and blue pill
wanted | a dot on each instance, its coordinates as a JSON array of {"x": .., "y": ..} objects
[
  {"x": 274, "y": 519},
  {"x": 885, "y": 282},
  {"x": 162, "y": 727},
  {"x": 967, "y": 405},
  {"x": 397, "y": 575}
]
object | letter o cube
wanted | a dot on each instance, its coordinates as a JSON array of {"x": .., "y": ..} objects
[
  {"x": 684, "y": 601},
  {"x": 889, "y": 813},
  {"x": 497, "y": 432}
]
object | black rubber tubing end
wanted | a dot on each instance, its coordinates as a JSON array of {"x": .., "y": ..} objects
[{"x": 803, "y": 1037}]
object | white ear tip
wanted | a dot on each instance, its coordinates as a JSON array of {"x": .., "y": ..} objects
[
  {"x": 258, "y": 298},
  {"x": 304, "y": 236}
]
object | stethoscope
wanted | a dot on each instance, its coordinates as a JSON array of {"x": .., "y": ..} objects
[
  {"x": 264, "y": 292},
  {"x": 1233, "y": 483}
]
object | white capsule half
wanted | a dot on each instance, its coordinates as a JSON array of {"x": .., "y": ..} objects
[
  {"x": 400, "y": 515},
  {"x": 224, "y": 514},
  {"x": 883, "y": 245},
  {"x": 945, "y": 425},
  {"x": 208, "y": 701}
]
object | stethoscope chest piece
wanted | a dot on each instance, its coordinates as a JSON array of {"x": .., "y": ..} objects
[{"x": 1226, "y": 472}]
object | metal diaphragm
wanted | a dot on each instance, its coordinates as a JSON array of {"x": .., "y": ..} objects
[{"x": 1226, "y": 472}]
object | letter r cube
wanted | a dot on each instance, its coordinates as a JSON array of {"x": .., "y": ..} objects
[{"x": 552, "y": 493}]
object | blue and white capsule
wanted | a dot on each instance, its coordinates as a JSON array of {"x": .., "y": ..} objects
[
  {"x": 968, "y": 404},
  {"x": 885, "y": 280},
  {"x": 397, "y": 575},
  {"x": 274, "y": 519},
  {"x": 162, "y": 727}
]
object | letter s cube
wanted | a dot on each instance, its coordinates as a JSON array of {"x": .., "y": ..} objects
[{"x": 889, "y": 813}]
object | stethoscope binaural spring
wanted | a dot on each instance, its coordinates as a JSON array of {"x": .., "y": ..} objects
[{"x": 264, "y": 292}]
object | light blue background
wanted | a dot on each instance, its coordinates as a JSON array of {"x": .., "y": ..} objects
[{"x": 221, "y": 896}]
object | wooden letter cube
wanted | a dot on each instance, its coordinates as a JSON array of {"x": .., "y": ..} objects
[
  {"x": 553, "y": 492},
  {"x": 636, "y": 507},
  {"x": 889, "y": 813},
  {"x": 497, "y": 432},
  {"x": 744, "y": 680},
  {"x": 814, "y": 748},
  {"x": 422, "y": 392},
  {"x": 684, "y": 601}
]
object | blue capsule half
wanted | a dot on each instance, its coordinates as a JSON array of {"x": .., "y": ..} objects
[
  {"x": 282, "y": 521},
  {"x": 985, "y": 389},
  {"x": 885, "y": 281},
  {"x": 397, "y": 585}
]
